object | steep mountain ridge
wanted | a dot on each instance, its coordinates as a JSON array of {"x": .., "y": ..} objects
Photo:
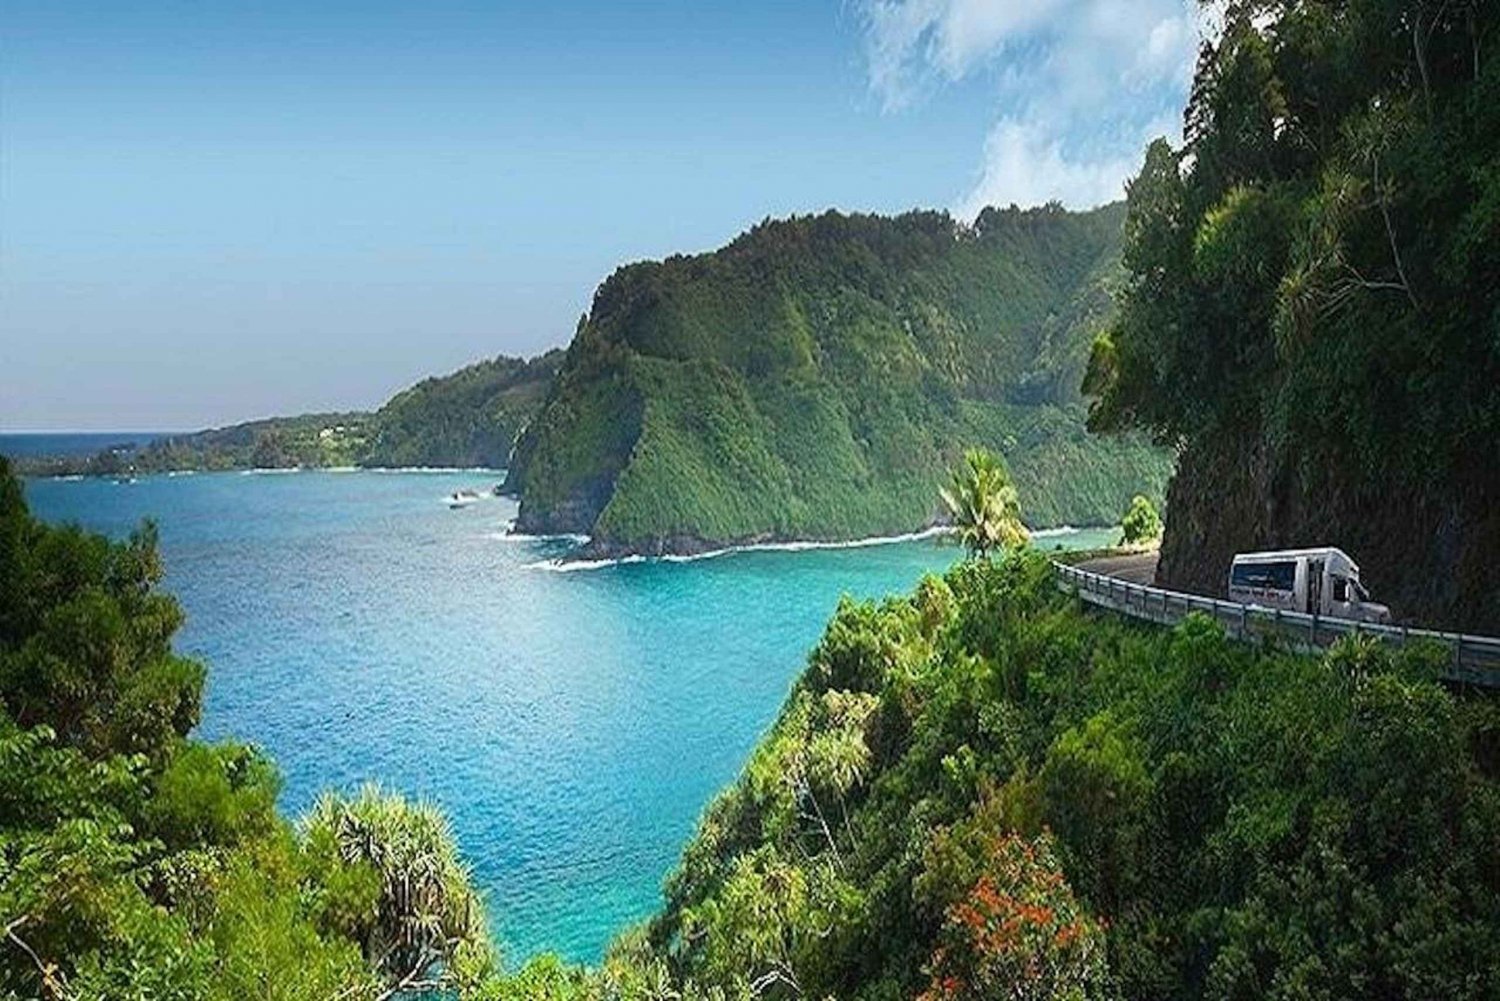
[
  {"x": 816, "y": 377},
  {"x": 471, "y": 417}
]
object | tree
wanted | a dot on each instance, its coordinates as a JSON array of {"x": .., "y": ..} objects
[
  {"x": 983, "y": 504},
  {"x": 1019, "y": 932},
  {"x": 138, "y": 862},
  {"x": 1141, "y": 522},
  {"x": 424, "y": 930},
  {"x": 1308, "y": 307}
]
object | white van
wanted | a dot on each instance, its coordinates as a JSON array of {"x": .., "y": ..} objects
[{"x": 1314, "y": 581}]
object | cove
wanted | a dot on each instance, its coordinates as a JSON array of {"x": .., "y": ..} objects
[{"x": 572, "y": 725}]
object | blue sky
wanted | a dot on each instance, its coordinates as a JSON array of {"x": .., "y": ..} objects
[{"x": 212, "y": 211}]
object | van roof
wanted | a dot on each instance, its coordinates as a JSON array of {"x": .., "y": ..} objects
[{"x": 1291, "y": 554}]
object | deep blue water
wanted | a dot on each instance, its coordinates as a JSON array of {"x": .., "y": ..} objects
[
  {"x": 573, "y": 725},
  {"x": 71, "y": 442}
]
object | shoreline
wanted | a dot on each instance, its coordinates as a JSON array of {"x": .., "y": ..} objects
[
  {"x": 585, "y": 559},
  {"x": 588, "y": 561}
]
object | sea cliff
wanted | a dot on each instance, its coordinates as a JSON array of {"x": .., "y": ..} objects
[{"x": 816, "y": 378}]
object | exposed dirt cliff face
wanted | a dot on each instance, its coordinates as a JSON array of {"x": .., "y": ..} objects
[{"x": 1429, "y": 550}]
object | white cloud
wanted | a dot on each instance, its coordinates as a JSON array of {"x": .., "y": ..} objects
[
  {"x": 1080, "y": 85},
  {"x": 1024, "y": 166}
]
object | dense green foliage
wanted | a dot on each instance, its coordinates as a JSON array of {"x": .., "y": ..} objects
[
  {"x": 978, "y": 789},
  {"x": 311, "y": 441},
  {"x": 1141, "y": 523},
  {"x": 1311, "y": 304},
  {"x": 983, "y": 505},
  {"x": 982, "y": 791},
  {"x": 468, "y": 418},
  {"x": 817, "y": 377},
  {"x": 417, "y": 919},
  {"x": 136, "y": 862}
]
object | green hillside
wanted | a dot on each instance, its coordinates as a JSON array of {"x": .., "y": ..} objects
[
  {"x": 471, "y": 417},
  {"x": 308, "y": 440},
  {"x": 815, "y": 378},
  {"x": 1311, "y": 307},
  {"x": 983, "y": 791},
  {"x": 979, "y": 791},
  {"x": 976, "y": 791}
]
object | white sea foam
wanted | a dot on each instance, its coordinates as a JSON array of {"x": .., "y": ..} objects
[
  {"x": 1052, "y": 533},
  {"x": 509, "y": 534},
  {"x": 568, "y": 566},
  {"x": 172, "y": 474},
  {"x": 277, "y": 471},
  {"x": 487, "y": 471}
]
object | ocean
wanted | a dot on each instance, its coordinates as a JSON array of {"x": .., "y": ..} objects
[{"x": 573, "y": 725}]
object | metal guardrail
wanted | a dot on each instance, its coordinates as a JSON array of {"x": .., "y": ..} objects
[{"x": 1473, "y": 659}]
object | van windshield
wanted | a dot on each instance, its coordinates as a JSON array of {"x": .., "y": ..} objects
[{"x": 1266, "y": 576}]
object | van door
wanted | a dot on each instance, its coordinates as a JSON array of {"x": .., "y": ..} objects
[
  {"x": 1341, "y": 598},
  {"x": 1314, "y": 587}
]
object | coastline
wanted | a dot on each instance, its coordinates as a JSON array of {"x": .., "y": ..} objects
[{"x": 594, "y": 555}]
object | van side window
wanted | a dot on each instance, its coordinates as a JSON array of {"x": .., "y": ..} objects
[
  {"x": 1340, "y": 589},
  {"x": 1268, "y": 576}
]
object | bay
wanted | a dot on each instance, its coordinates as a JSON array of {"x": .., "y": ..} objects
[{"x": 572, "y": 725}]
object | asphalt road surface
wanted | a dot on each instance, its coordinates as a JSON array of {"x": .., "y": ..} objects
[{"x": 1138, "y": 568}]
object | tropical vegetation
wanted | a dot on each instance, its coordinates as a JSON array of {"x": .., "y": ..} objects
[
  {"x": 469, "y": 418},
  {"x": 817, "y": 377},
  {"x": 1309, "y": 309},
  {"x": 1140, "y": 523},
  {"x": 982, "y": 790},
  {"x": 978, "y": 789},
  {"x": 983, "y": 505},
  {"x": 139, "y": 862}
]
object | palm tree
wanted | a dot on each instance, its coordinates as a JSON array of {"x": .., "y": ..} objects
[
  {"x": 426, "y": 930},
  {"x": 984, "y": 506}
]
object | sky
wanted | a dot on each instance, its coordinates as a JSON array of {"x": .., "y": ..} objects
[{"x": 213, "y": 210}]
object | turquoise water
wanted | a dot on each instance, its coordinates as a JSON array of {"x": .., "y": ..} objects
[{"x": 573, "y": 725}]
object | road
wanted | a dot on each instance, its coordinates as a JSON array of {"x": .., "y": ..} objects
[
  {"x": 1122, "y": 584},
  {"x": 1138, "y": 568}
]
